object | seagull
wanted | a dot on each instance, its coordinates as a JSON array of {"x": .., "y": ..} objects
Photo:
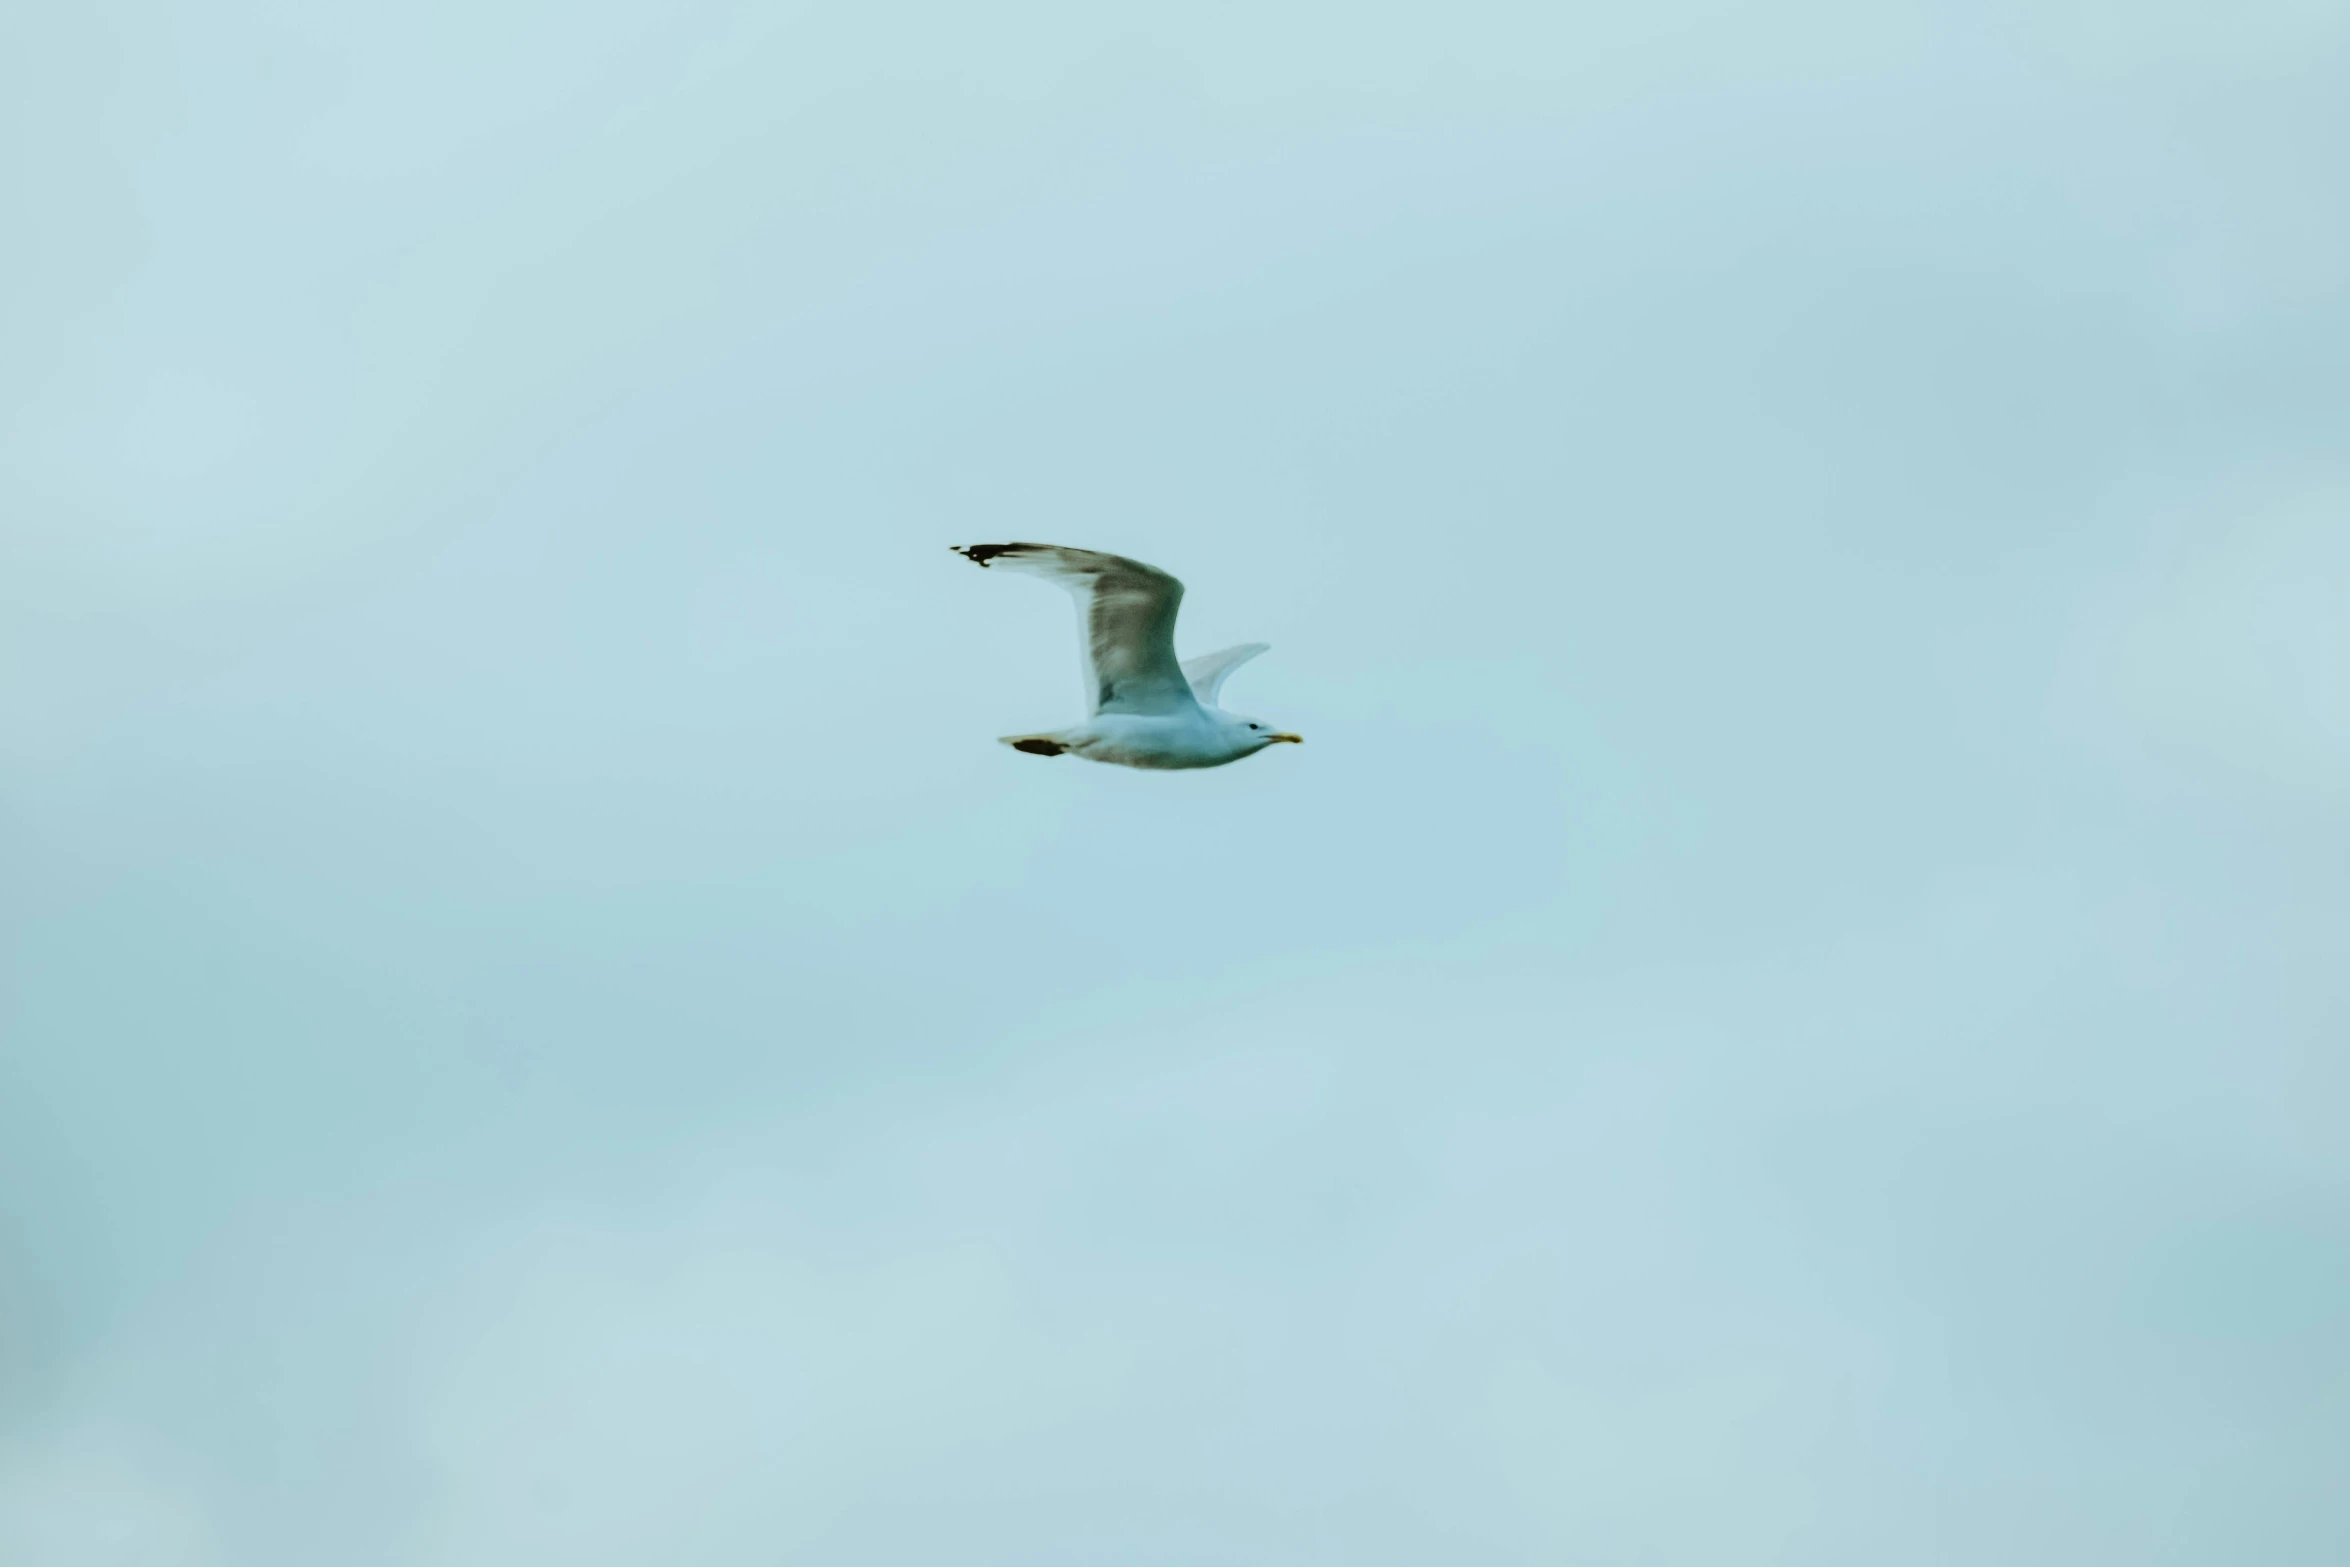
[{"x": 1146, "y": 709}]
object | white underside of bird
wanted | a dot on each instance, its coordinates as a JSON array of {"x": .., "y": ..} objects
[{"x": 1147, "y": 709}]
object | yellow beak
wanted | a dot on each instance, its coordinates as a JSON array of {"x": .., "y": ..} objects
[{"x": 1292, "y": 739}]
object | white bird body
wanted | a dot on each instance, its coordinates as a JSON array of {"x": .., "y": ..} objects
[
  {"x": 1167, "y": 741},
  {"x": 1147, "y": 709}
]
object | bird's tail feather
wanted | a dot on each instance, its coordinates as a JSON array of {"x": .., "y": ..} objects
[{"x": 1035, "y": 745}]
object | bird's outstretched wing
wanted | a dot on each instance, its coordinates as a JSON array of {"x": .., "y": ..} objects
[
  {"x": 1207, "y": 672},
  {"x": 1126, "y": 622}
]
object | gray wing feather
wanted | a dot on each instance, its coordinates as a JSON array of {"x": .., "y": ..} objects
[
  {"x": 1126, "y": 622},
  {"x": 1208, "y": 672}
]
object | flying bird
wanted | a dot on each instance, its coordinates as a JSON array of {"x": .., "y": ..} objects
[{"x": 1146, "y": 709}]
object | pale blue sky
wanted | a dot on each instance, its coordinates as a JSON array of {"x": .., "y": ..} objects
[{"x": 1790, "y": 1011}]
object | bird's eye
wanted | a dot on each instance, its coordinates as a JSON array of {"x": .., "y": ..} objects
[{"x": 1256, "y": 726}]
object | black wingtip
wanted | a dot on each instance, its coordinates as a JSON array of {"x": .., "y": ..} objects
[{"x": 981, "y": 554}]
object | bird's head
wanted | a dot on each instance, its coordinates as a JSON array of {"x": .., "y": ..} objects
[{"x": 1255, "y": 734}]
